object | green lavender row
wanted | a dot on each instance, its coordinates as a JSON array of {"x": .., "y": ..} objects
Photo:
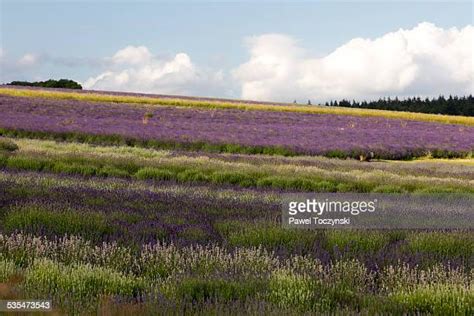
[{"x": 88, "y": 160}]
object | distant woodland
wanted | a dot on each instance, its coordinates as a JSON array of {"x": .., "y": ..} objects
[
  {"x": 62, "y": 83},
  {"x": 441, "y": 105}
]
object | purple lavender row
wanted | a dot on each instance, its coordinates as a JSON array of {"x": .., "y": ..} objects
[{"x": 312, "y": 134}]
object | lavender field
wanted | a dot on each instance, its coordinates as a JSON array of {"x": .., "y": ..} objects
[
  {"x": 291, "y": 133},
  {"x": 130, "y": 209},
  {"x": 150, "y": 247}
]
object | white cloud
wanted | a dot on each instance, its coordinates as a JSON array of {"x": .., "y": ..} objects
[
  {"x": 28, "y": 60},
  {"x": 132, "y": 55},
  {"x": 137, "y": 69},
  {"x": 14, "y": 68},
  {"x": 426, "y": 60}
]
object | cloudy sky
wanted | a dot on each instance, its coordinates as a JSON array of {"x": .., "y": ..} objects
[{"x": 263, "y": 50}]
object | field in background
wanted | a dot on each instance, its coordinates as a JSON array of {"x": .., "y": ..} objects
[
  {"x": 231, "y": 130},
  {"x": 140, "y": 221},
  {"x": 230, "y": 104}
]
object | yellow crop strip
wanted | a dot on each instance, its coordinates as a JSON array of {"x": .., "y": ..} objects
[
  {"x": 96, "y": 97},
  {"x": 458, "y": 161}
]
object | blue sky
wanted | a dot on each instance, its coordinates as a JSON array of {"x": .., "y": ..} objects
[{"x": 72, "y": 39}]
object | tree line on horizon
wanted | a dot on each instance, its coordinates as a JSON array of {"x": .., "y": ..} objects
[
  {"x": 51, "y": 83},
  {"x": 452, "y": 105}
]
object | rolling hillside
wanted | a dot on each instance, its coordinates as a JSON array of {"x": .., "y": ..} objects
[{"x": 138, "y": 204}]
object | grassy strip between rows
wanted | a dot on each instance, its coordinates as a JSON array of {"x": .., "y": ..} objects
[
  {"x": 458, "y": 169},
  {"x": 215, "y": 173},
  {"x": 119, "y": 140},
  {"x": 95, "y": 97}
]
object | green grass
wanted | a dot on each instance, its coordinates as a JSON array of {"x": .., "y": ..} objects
[
  {"x": 78, "y": 284},
  {"x": 8, "y": 269},
  {"x": 357, "y": 240},
  {"x": 200, "y": 290},
  {"x": 194, "y": 234},
  {"x": 26, "y": 163},
  {"x": 436, "y": 300},
  {"x": 60, "y": 222},
  {"x": 76, "y": 168},
  {"x": 7, "y": 145},
  {"x": 249, "y": 234},
  {"x": 289, "y": 290},
  {"x": 442, "y": 243},
  {"x": 149, "y": 173}
]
